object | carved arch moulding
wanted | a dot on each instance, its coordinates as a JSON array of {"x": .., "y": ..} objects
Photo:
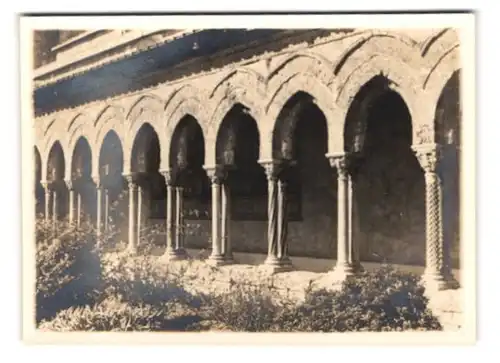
[
  {"x": 401, "y": 78},
  {"x": 322, "y": 97}
]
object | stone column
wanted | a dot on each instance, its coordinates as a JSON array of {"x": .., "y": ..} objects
[
  {"x": 171, "y": 252},
  {"x": 48, "y": 193},
  {"x": 353, "y": 226},
  {"x": 139, "y": 212},
  {"x": 132, "y": 213},
  {"x": 180, "y": 228},
  {"x": 216, "y": 176},
  {"x": 226, "y": 223},
  {"x": 78, "y": 209},
  {"x": 55, "y": 212},
  {"x": 437, "y": 274},
  {"x": 284, "y": 260},
  {"x": 277, "y": 256},
  {"x": 99, "y": 187},
  {"x": 106, "y": 209},
  {"x": 343, "y": 268},
  {"x": 71, "y": 194}
]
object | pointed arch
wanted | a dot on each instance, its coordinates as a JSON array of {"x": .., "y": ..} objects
[
  {"x": 81, "y": 158},
  {"x": 185, "y": 102},
  {"x": 321, "y": 95},
  {"x": 145, "y": 136},
  {"x": 56, "y": 162},
  {"x": 402, "y": 78},
  {"x": 148, "y": 108},
  {"x": 253, "y": 104},
  {"x": 111, "y": 118},
  {"x": 438, "y": 42},
  {"x": 80, "y": 126}
]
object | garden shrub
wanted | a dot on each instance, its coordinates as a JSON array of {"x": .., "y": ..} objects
[
  {"x": 67, "y": 269},
  {"x": 385, "y": 300},
  {"x": 111, "y": 314}
]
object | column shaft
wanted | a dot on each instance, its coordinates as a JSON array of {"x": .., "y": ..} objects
[
  {"x": 179, "y": 216},
  {"x": 216, "y": 245},
  {"x": 139, "y": 214},
  {"x": 99, "y": 210},
  {"x": 132, "y": 243},
  {"x": 226, "y": 222},
  {"x": 169, "y": 221}
]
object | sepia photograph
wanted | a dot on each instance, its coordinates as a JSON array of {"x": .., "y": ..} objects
[{"x": 234, "y": 174}]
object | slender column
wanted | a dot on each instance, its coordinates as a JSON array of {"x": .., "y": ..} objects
[
  {"x": 55, "y": 214},
  {"x": 226, "y": 222},
  {"x": 343, "y": 268},
  {"x": 106, "y": 209},
  {"x": 353, "y": 225},
  {"x": 99, "y": 187},
  {"x": 48, "y": 193},
  {"x": 140, "y": 192},
  {"x": 175, "y": 245},
  {"x": 283, "y": 258},
  {"x": 437, "y": 274},
  {"x": 272, "y": 214},
  {"x": 132, "y": 213},
  {"x": 179, "y": 215},
  {"x": 216, "y": 177},
  {"x": 71, "y": 193},
  {"x": 79, "y": 209}
]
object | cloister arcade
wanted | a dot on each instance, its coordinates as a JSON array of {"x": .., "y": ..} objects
[{"x": 353, "y": 158}]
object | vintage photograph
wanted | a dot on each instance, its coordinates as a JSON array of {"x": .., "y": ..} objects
[{"x": 246, "y": 179}]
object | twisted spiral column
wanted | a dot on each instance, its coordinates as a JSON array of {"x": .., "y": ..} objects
[{"x": 437, "y": 275}]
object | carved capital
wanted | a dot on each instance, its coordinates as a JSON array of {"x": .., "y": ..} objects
[
  {"x": 47, "y": 185},
  {"x": 272, "y": 169},
  {"x": 216, "y": 174},
  {"x": 131, "y": 181},
  {"x": 169, "y": 176},
  {"x": 428, "y": 157},
  {"x": 97, "y": 182},
  {"x": 70, "y": 184},
  {"x": 341, "y": 163}
]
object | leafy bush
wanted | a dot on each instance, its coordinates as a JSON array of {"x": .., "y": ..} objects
[
  {"x": 67, "y": 269},
  {"x": 386, "y": 300},
  {"x": 111, "y": 314}
]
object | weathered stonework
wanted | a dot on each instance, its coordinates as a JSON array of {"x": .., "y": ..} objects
[{"x": 333, "y": 69}]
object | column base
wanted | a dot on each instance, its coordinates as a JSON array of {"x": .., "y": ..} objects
[
  {"x": 175, "y": 255},
  {"x": 437, "y": 282},
  {"x": 276, "y": 265},
  {"x": 132, "y": 250},
  {"x": 344, "y": 272},
  {"x": 229, "y": 259},
  {"x": 216, "y": 260}
]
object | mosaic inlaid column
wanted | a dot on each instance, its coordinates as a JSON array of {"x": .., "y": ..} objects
[{"x": 437, "y": 274}]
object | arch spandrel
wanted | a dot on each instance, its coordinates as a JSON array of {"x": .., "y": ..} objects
[
  {"x": 239, "y": 78},
  {"x": 306, "y": 83},
  {"x": 401, "y": 77},
  {"x": 301, "y": 62},
  {"x": 435, "y": 81},
  {"x": 376, "y": 43},
  {"x": 112, "y": 117}
]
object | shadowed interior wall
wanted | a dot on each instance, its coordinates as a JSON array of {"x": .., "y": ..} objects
[{"x": 390, "y": 187}]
